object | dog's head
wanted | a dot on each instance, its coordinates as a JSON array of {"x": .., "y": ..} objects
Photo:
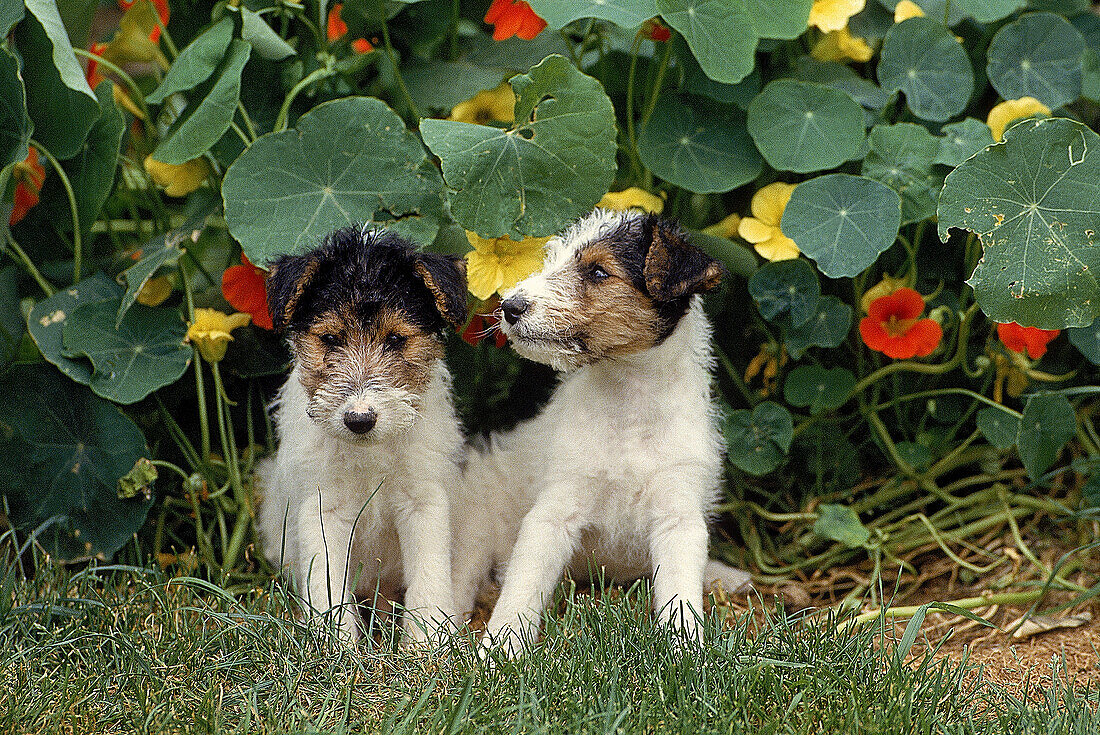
[
  {"x": 615, "y": 283},
  {"x": 365, "y": 314}
]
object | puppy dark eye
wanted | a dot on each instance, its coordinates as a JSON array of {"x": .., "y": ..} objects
[
  {"x": 330, "y": 340},
  {"x": 596, "y": 273},
  {"x": 396, "y": 341}
]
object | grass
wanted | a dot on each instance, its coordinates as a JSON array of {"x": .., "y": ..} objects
[{"x": 124, "y": 649}]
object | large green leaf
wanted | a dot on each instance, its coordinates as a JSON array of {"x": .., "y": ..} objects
[
  {"x": 987, "y": 11},
  {"x": 698, "y": 145},
  {"x": 843, "y": 222},
  {"x": 719, "y": 32},
  {"x": 758, "y": 440},
  {"x": 826, "y": 328},
  {"x": 209, "y": 111},
  {"x": 1047, "y": 424},
  {"x": 145, "y": 352},
  {"x": 921, "y": 58},
  {"x": 901, "y": 156},
  {"x": 62, "y": 452},
  {"x": 159, "y": 251},
  {"x": 962, "y": 140},
  {"x": 349, "y": 161},
  {"x": 625, "y": 13},
  {"x": 60, "y": 102},
  {"x": 1034, "y": 200},
  {"x": 196, "y": 62},
  {"x": 818, "y": 388},
  {"x": 544, "y": 172},
  {"x": 15, "y": 123},
  {"x": 779, "y": 18},
  {"x": 786, "y": 289},
  {"x": 1038, "y": 55},
  {"x": 802, "y": 126},
  {"x": 92, "y": 169},
  {"x": 46, "y": 322}
]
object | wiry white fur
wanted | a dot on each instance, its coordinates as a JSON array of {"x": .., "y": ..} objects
[
  {"x": 396, "y": 483},
  {"x": 618, "y": 474}
]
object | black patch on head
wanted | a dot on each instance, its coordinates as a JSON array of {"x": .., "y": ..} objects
[
  {"x": 368, "y": 269},
  {"x": 661, "y": 262}
]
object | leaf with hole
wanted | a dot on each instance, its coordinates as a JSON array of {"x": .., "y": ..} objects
[
  {"x": 1047, "y": 424},
  {"x": 922, "y": 59},
  {"x": 818, "y": 388},
  {"x": 786, "y": 288},
  {"x": 840, "y": 523},
  {"x": 1034, "y": 201},
  {"x": 1038, "y": 55},
  {"x": 758, "y": 440},
  {"x": 348, "y": 161},
  {"x": 803, "y": 126},
  {"x": 47, "y": 319},
  {"x": 544, "y": 172},
  {"x": 843, "y": 222}
]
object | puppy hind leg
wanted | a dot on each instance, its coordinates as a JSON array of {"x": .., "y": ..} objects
[{"x": 732, "y": 579}]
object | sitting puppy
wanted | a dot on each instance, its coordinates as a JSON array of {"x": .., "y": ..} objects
[
  {"x": 623, "y": 465},
  {"x": 356, "y": 500}
]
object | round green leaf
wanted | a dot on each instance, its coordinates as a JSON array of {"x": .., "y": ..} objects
[
  {"x": 802, "y": 126},
  {"x": 1047, "y": 424},
  {"x": 698, "y": 145},
  {"x": 349, "y": 161},
  {"x": 15, "y": 123},
  {"x": 624, "y": 13},
  {"x": 785, "y": 19},
  {"x": 840, "y": 523},
  {"x": 548, "y": 169},
  {"x": 962, "y": 140},
  {"x": 987, "y": 11},
  {"x": 1000, "y": 428},
  {"x": 786, "y": 288},
  {"x": 1087, "y": 341},
  {"x": 62, "y": 452},
  {"x": 922, "y": 59},
  {"x": 818, "y": 388},
  {"x": 196, "y": 62},
  {"x": 1034, "y": 200},
  {"x": 719, "y": 32},
  {"x": 47, "y": 320},
  {"x": 758, "y": 440},
  {"x": 901, "y": 157},
  {"x": 826, "y": 328},
  {"x": 1038, "y": 55},
  {"x": 843, "y": 222}
]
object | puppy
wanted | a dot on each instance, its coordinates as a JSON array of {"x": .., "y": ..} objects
[
  {"x": 620, "y": 470},
  {"x": 355, "y": 501}
]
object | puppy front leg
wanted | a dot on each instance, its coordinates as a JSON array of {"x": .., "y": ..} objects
[
  {"x": 324, "y": 545},
  {"x": 547, "y": 538},
  {"x": 424, "y": 533},
  {"x": 678, "y": 549}
]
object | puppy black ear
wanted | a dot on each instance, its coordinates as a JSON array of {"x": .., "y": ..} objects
[
  {"x": 445, "y": 277},
  {"x": 673, "y": 266},
  {"x": 287, "y": 282}
]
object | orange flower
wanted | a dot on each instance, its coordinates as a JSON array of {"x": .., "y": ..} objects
[
  {"x": 243, "y": 287},
  {"x": 513, "y": 18},
  {"x": 29, "y": 177},
  {"x": 483, "y": 325},
  {"x": 162, "y": 13},
  {"x": 1031, "y": 340},
  {"x": 654, "y": 31},
  {"x": 93, "y": 76},
  {"x": 894, "y": 327},
  {"x": 337, "y": 29}
]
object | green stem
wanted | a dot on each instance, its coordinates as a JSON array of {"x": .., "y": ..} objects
[
  {"x": 77, "y": 247},
  {"x": 170, "y": 466},
  {"x": 316, "y": 75},
  {"x": 247, "y": 122},
  {"x": 392, "y": 56},
  {"x": 966, "y": 603},
  {"x": 229, "y": 446},
  {"x": 240, "y": 133},
  {"x": 947, "y": 391},
  {"x": 655, "y": 90},
  {"x": 21, "y": 257},
  {"x": 187, "y": 449},
  {"x": 735, "y": 376},
  {"x": 137, "y": 95},
  {"x": 200, "y": 383},
  {"x": 631, "y": 133}
]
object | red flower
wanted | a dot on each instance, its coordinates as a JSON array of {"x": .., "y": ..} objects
[
  {"x": 93, "y": 76},
  {"x": 243, "y": 287},
  {"x": 29, "y": 177},
  {"x": 1026, "y": 339},
  {"x": 654, "y": 31},
  {"x": 337, "y": 29},
  {"x": 893, "y": 326},
  {"x": 162, "y": 13},
  {"x": 511, "y": 18},
  {"x": 482, "y": 325}
]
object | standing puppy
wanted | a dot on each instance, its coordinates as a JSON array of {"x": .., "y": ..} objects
[
  {"x": 623, "y": 466},
  {"x": 356, "y": 501}
]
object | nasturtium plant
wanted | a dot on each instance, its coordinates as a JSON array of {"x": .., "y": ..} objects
[
  {"x": 46, "y": 322},
  {"x": 786, "y": 288},
  {"x": 922, "y": 60},
  {"x": 902, "y": 157},
  {"x": 818, "y": 388},
  {"x": 840, "y": 523},
  {"x": 1048, "y": 422},
  {"x": 961, "y": 140},
  {"x": 758, "y": 440},
  {"x": 1038, "y": 55}
]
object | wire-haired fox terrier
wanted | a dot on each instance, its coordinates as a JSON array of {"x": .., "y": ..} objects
[
  {"x": 622, "y": 467},
  {"x": 357, "y": 499}
]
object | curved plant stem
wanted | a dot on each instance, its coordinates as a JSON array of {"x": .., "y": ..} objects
[
  {"x": 21, "y": 257},
  {"x": 68, "y": 186},
  {"x": 314, "y": 76},
  {"x": 966, "y": 603},
  {"x": 392, "y": 56}
]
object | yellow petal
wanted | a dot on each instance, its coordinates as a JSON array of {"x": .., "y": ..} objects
[
  {"x": 483, "y": 274},
  {"x": 123, "y": 100},
  {"x": 498, "y": 263},
  {"x": 832, "y": 15},
  {"x": 1009, "y": 110},
  {"x": 210, "y": 332},
  {"x": 768, "y": 203},
  {"x": 155, "y": 291},
  {"x": 778, "y": 247},
  {"x": 488, "y": 105},
  {"x": 727, "y": 227},
  {"x": 842, "y": 46},
  {"x": 907, "y": 9},
  {"x": 632, "y": 198},
  {"x": 179, "y": 180},
  {"x": 754, "y": 230}
]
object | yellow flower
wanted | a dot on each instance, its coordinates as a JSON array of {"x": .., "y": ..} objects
[
  {"x": 725, "y": 228},
  {"x": 1009, "y": 110},
  {"x": 488, "y": 105},
  {"x": 841, "y": 46},
  {"x": 907, "y": 9},
  {"x": 632, "y": 198},
  {"x": 762, "y": 229},
  {"x": 832, "y": 15},
  {"x": 179, "y": 180},
  {"x": 885, "y": 287},
  {"x": 211, "y": 332},
  {"x": 134, "y": 39},
  {"x": 498, "y": 263},
  {"x": 155, "y": 291}
]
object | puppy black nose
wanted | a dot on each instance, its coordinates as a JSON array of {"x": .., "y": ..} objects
[
  {"x": 513, "y": 308},
  {"x": 360, "y": 423}
]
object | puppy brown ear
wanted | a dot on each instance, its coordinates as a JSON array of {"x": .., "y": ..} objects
[
  {"x": 445, "y": 278},
  {"x": 287, "y": 282},
  {"x": 674, "y": 267}
]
